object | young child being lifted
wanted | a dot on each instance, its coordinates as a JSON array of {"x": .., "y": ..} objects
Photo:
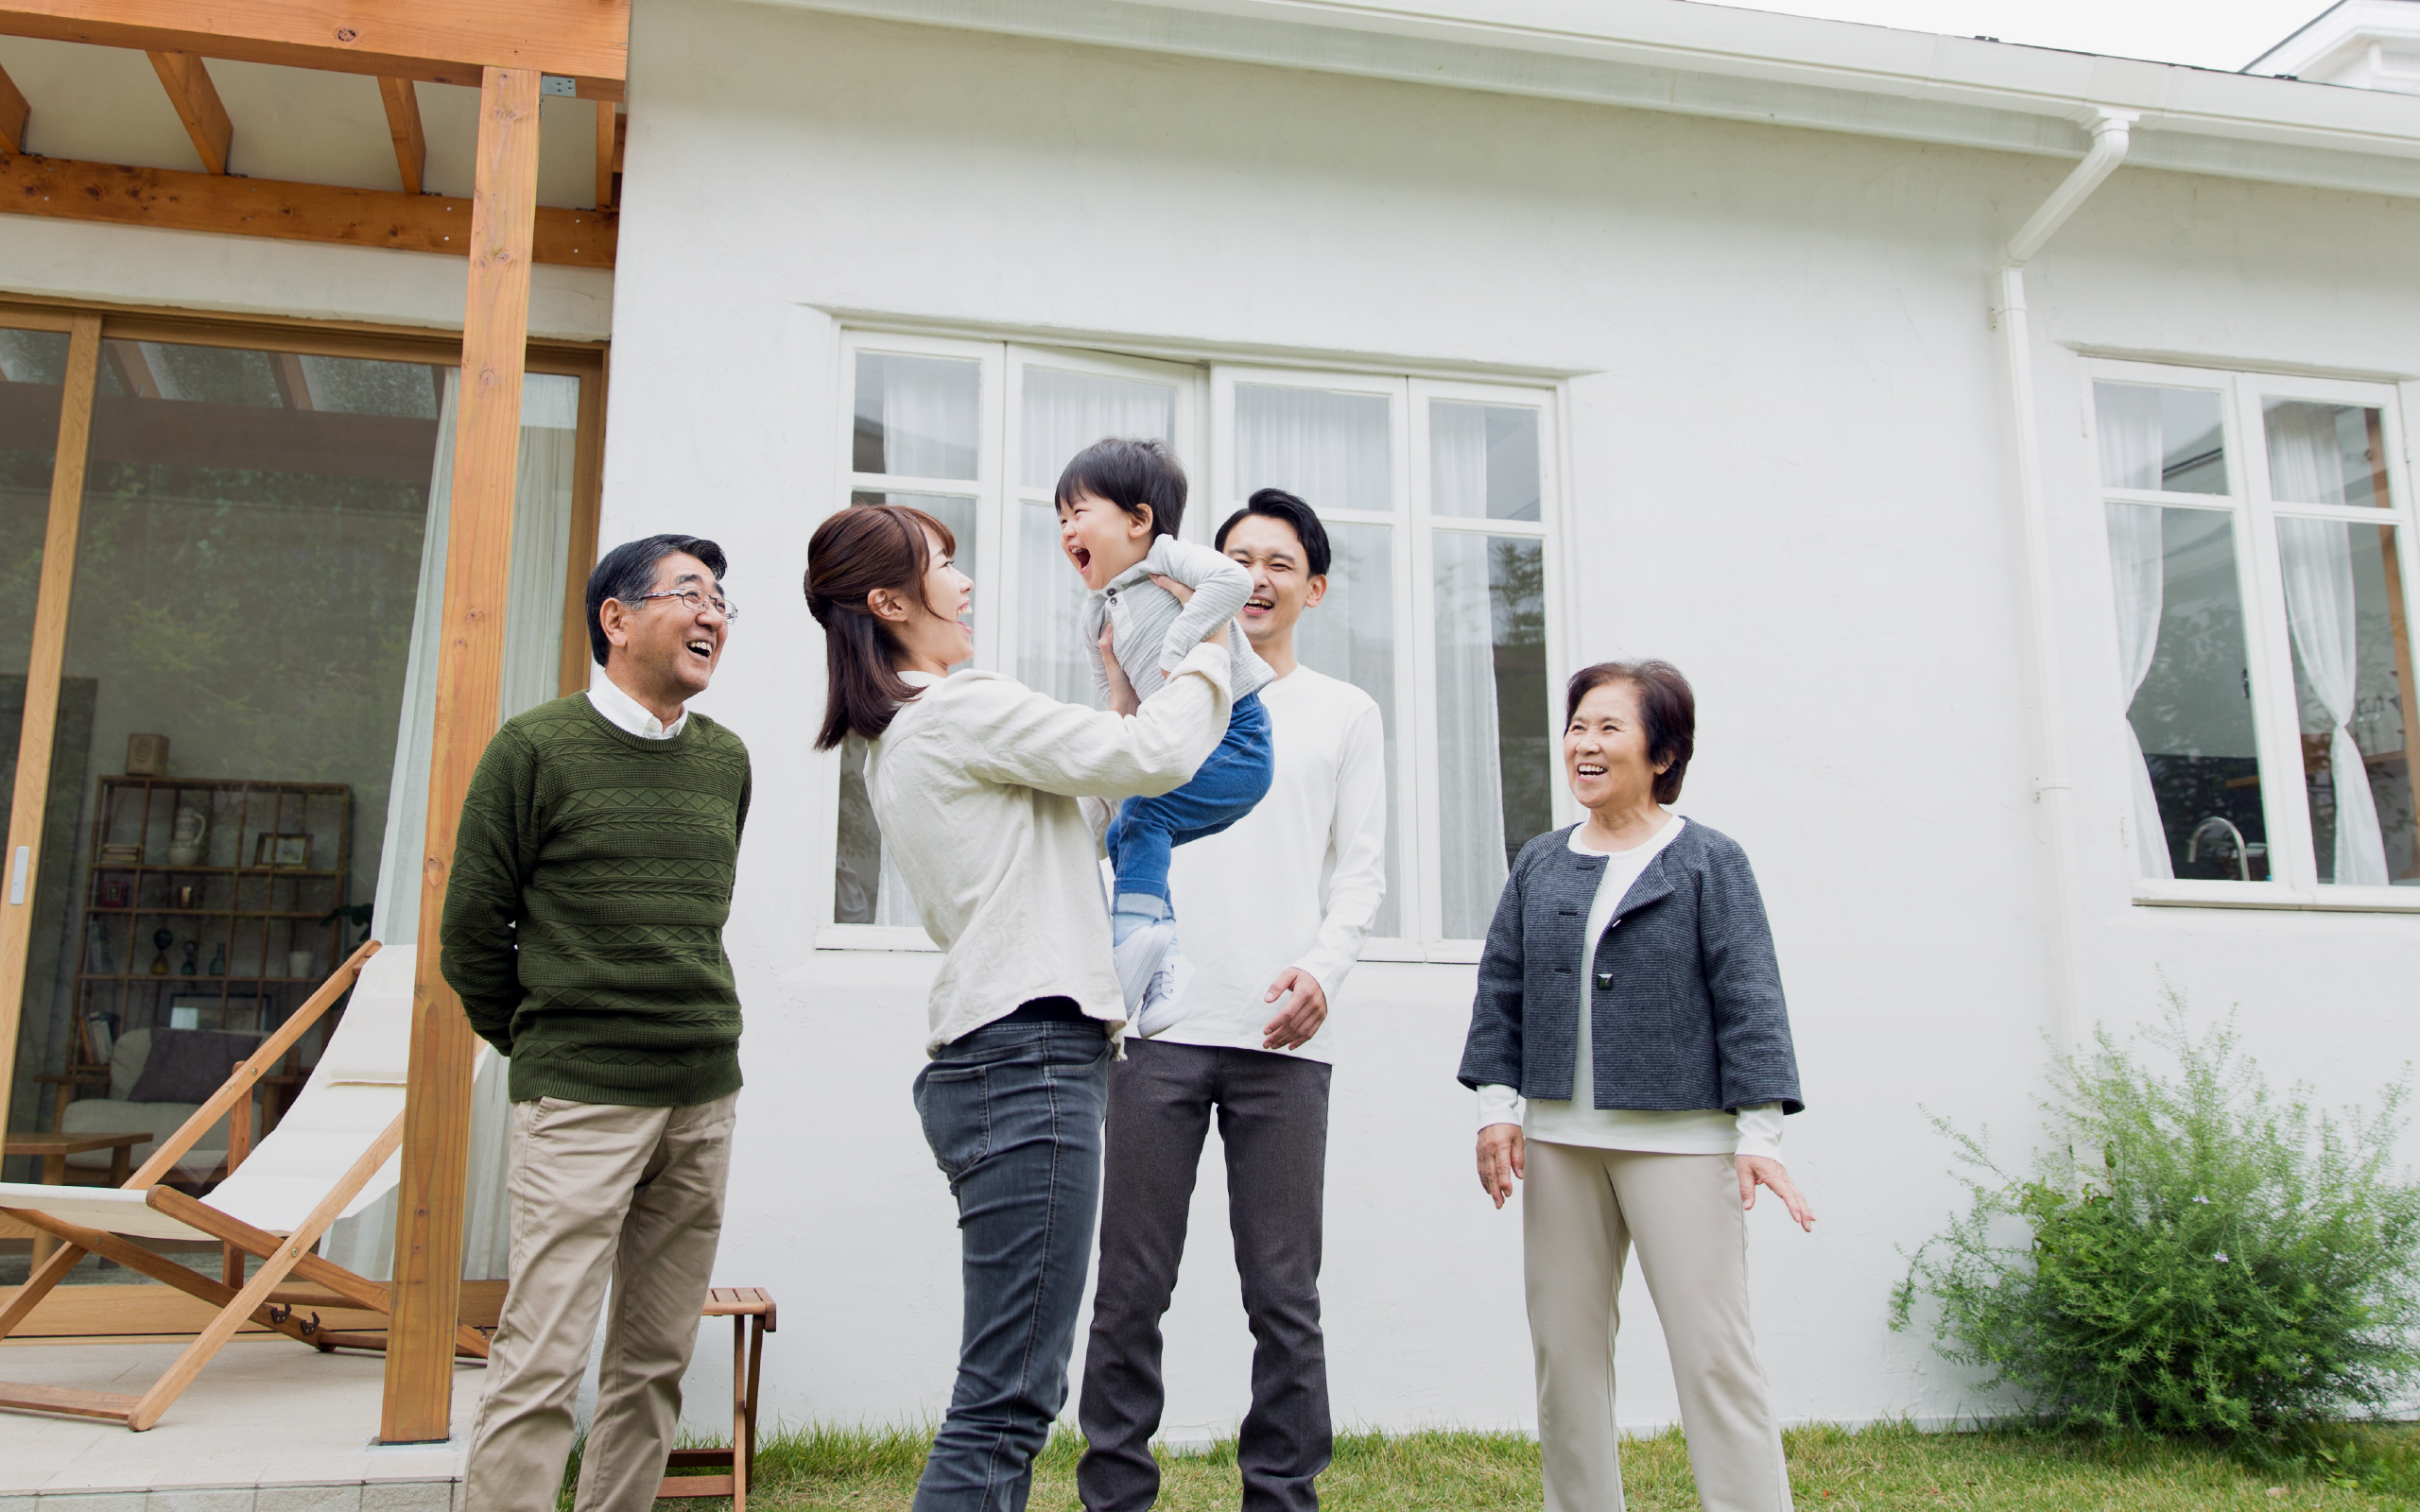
[{"x": 1121, "y": 504}]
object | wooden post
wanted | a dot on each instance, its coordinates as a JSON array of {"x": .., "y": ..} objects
[
  {"x": 21, "y": 867},
  {"x": 470, "y": 661}
]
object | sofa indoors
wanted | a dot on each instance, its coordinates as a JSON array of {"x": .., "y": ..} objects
[{"x": 129, "y": 1105}]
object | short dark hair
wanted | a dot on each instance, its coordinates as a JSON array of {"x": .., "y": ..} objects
[
  {"x": 1668, "y": 713},
  {"x": 628, "y": 570},
  {"x": 1131, "y": 473},
  {"x": 853, "y": 552},
  {"x": 1279, "y": 505}
]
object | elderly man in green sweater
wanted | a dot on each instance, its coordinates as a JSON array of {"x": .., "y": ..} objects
[{"x": 583, "y": 929}]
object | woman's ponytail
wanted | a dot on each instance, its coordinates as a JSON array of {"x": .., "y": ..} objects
[{"x": 854, "y": 553}]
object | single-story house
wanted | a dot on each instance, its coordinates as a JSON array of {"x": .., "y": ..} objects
[{"x": 2010, "y": 444}]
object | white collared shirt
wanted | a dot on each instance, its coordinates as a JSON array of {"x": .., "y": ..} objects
[{"x": 626, "y": 713}]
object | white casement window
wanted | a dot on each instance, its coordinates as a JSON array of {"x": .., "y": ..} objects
[
  {"x": 1439, "y": 499},
  {"x": 2262, "y": 560}
]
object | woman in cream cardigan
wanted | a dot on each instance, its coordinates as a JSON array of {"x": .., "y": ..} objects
[
  {"x": 992, "y": 799},
  {"x": 1651, "y": 1118}
]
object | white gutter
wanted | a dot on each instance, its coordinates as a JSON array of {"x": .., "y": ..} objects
[{"x": 2111, "y": 137}]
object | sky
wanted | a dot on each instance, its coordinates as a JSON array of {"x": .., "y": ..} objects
[{"x": 2209, "y": 33}]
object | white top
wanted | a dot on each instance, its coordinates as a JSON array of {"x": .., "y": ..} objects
[
  {"x": 1297, "y": 880},
  {"x": 1709, "y": 1132},
  {"x": 1154, "y": 630},
  {"x": 976, "y": 784},
  {"x": 626, "y": 713}
]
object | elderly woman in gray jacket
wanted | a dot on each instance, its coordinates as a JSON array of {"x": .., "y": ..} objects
[{"x": 1652, "y": 1117}]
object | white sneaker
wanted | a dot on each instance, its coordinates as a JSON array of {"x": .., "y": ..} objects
[
  {"x": 1138, "y": 958},
  {"x": 1167, "y": 1000}
]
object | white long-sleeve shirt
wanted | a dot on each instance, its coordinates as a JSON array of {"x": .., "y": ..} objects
[
  {"x": 976, "y": 784},
  {"x": 1298, "y": 880},
  {"x": 625, "y": 713},
  {"x": 1578, "y": 1120}
]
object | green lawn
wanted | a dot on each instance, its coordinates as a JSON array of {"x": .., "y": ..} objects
[{"x": 1830, "y": 1468}]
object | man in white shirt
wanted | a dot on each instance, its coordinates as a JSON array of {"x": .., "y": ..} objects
[{"x": 1275, "y": 908}]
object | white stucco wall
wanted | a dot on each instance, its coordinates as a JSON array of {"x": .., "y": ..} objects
[{"x": 1789, "y": 471}]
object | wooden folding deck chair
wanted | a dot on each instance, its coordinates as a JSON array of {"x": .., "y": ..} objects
[{"x": 333, "y": 1154}]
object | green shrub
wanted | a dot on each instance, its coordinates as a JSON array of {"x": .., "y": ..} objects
[{"x": 2198, "y": 1257}]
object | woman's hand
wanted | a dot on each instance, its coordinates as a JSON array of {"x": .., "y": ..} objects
[
  {"x": 1121, "y": 693},
  {"x": 1759, "y": 1170},
  {"x": 1502, "y": 1157}
]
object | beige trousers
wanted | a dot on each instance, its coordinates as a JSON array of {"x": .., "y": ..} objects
[
  {"x": 599, "y": 1191},
  {"x": 1580, "y": 1211}
]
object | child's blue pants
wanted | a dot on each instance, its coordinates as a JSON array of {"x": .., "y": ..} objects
[{"x": 1229, "y": 781}]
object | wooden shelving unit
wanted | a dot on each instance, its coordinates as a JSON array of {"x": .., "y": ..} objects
[{"x": 231, "y": 905}]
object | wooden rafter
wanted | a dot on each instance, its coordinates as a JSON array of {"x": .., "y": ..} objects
[
  {"x": 606, "y": 116},
  {"x": 292, "y": 212},
  {"x": 442, "y": 41},
  {"x": 132, "y": 369},
  {"x": 195, "y": 98},
  {"x": 293, "y": 382},
  {"x": 14, "y": 113},
  {"x": 402, "y": 123}
]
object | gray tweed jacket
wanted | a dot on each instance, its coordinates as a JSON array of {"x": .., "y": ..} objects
[{"x": 1687, "y": 1004}]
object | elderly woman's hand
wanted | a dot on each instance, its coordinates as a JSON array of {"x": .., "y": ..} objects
[
  {"x": 1501, "y": 1157},
  {"x": 1754, "y": 1171}
]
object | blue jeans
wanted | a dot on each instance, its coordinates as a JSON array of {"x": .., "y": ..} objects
[
  {"x": 1013, "y": 1112},
  {"x": 1230, "y": 781}
]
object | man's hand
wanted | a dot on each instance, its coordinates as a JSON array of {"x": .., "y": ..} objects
[
  {"x": 1502, "y": 1156},
  {"x": 1121, "y": 693},
  {"x": 1299, "y": 1018},
  {"x": 1758, "y": 1170}
]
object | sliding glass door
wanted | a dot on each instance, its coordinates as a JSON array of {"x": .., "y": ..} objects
[{"x": 243, "y": 657}]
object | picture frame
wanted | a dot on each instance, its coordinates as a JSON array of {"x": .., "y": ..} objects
[{"x": 284, "y": 853}]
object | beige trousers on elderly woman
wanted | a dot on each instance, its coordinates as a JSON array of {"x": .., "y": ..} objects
[{"x": 1582, "y": 1209}]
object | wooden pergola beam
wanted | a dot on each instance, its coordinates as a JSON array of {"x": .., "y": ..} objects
[
  {"x": 14, "y": 113},
  {"x": 195, "y": 98},
  {"x": 469, "y": 671},
  {"x": 606, "y": 117},
  {"x": 402, "y": 99},
  {"x": 442, "y": 41},
  {"x": 69, "y": 190}
]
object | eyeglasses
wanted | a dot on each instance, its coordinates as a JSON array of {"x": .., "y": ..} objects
[{"x": 695, "y": 602}]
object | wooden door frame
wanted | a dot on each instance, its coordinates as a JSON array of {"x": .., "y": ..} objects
[{"x": 585, "y": 360}]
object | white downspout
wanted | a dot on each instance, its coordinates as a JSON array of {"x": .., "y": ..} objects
[{"x": 2050, "y": 784}]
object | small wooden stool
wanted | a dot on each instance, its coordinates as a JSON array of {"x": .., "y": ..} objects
[{"x": 740, "y": 1304}]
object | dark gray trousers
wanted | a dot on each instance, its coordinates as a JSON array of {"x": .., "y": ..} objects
[{"x": 1272, "y": 1119}]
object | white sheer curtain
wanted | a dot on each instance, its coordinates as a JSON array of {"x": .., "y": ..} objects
[
  {"x": 2132, "y": 446},
  {"x": 2317, "y": 559},
  {"x": 533, "y": 629},
  {"x": 1470, "y": 784},
  {"x": 1330, "y": 449},
  {"x": 929, "y": 425},
  {"x": 1063, "y": 413}
]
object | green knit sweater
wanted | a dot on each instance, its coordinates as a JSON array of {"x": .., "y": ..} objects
[{"x": 583, "y": 917}]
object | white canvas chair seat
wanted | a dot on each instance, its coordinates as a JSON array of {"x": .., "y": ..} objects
[{"x": 333, "y": 1154}]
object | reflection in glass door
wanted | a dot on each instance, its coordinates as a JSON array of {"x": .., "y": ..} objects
[{"x": 245, "y": 651}]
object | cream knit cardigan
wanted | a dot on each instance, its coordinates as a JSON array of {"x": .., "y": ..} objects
[{"x": 976, "y": 787}]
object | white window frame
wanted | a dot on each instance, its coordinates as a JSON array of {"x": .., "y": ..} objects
[
  {"x": 2293, "y": 862},
  {"x": 1205, "y": 443}
]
